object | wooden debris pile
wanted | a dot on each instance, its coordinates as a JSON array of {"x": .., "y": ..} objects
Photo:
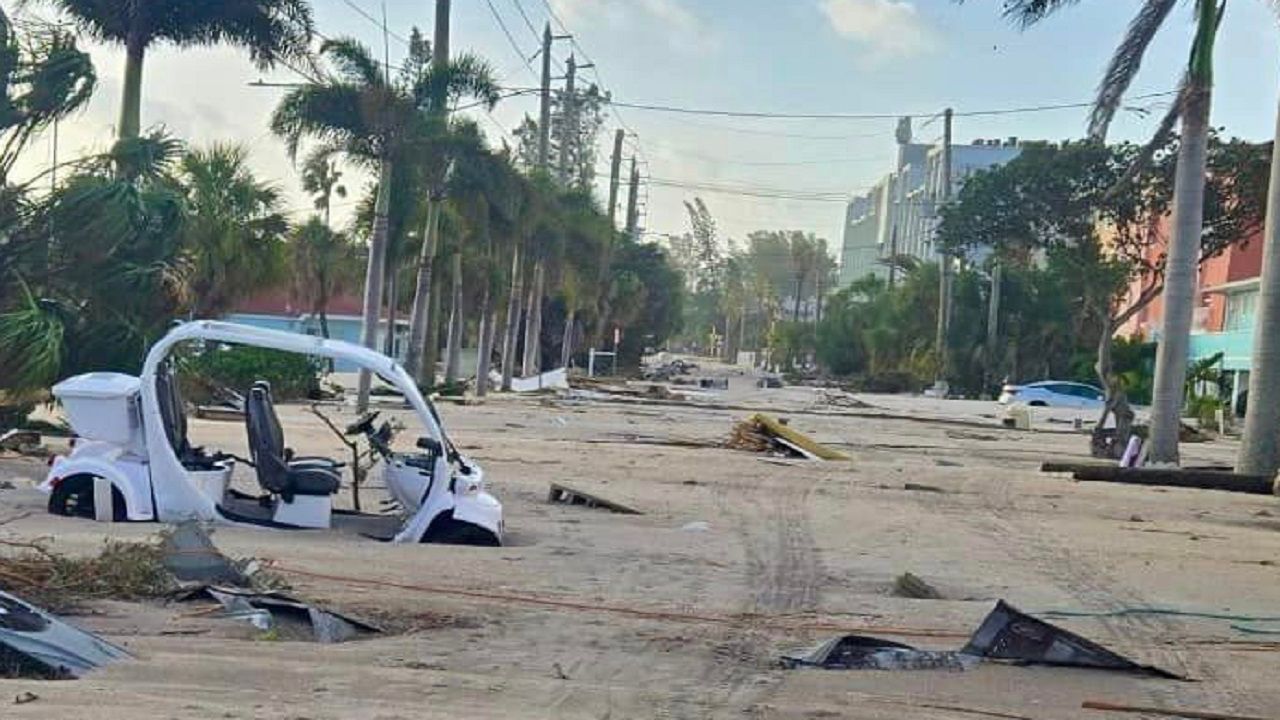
[{"x": 764, "y": 434}]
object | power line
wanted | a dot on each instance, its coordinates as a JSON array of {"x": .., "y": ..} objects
[
  {"x": 676, "y": 109},
  {"x": 376, "y": 22},
  {"x": 537, "y": 37},
  {"x": 502, "y": 25}
]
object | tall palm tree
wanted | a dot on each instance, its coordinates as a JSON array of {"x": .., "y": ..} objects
[
  {"x": 1260, "y": 447},
  {"x": 323, "y": 264},
  {"x": 233, "y": 237},
  {"x": 271, "y": 30},
  {"x": 321, "y": 177},
  {"x": 1192, "y": 109}
]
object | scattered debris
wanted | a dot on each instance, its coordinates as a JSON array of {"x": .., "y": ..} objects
[
  {"x": 713, "y": 383},
  {"x": 1017, "y": 417},
  {"x": 24, "y": 697},
  {"x": 669, "y": 370},
  {"x": 1203, "y": 479},
  {"x": 1009, "y": 634},
  {"x": 920, "y": 487},
  {"x": 860, "y": 652},
  {"x": 1167, "y": 712},
  {"x": 1005, "y": 635},
  {"x": 1136, "y": 519},
  {"x": 771, "y": 381},
  {"x": 557, "y": 379},
  {"x": 220, "y": 413},
  {"x": 572, "y": 496},
  {"x": 16, "y": 439},
  {"x": 189, "y": 554},
  {"x": 1070, "y": 467},
  {"x": 908, "y": 585},
  {"x": 696, "y": 526},
  {"x": 286, "y": 616},
  {"x": 122, "y": 571},
  {"x": 969, "y": 435},
  {"x": 941, "y": 462},
  {"x": 762, "y": 433},
  {"x": 35, "y": 644}
]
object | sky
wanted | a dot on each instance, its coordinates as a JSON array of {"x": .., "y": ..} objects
[{"x": 876, "y": 57}]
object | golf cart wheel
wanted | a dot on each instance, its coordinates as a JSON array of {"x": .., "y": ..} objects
[
  {"x": 448, "y": 531},
  {"x": 73, "y": 497}
]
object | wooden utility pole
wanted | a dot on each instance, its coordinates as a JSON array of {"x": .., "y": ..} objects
[
  {"x": 544, "y": 110},
  {"x": 615, "y": 170},
  {"x": 944, "y": 260},
  {"x": 569, "y": 109},
  {"x": 633, "y": 196}
]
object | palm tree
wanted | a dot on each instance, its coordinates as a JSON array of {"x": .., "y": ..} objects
[
  {"x": 233, "y": 237},
  {"x": 323, "y": 263},
  {"x": 1192, "y": 109},
  {"x": 358, "y": 113},
  {"x": 273, "y": 31},
  {"x": 321, "y": 177},
  {"x": 1260, "y": 447}
]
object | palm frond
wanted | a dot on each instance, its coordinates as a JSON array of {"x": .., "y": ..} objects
[
  {"x": 1125, "y": 64},
  {"x": 330, "y": 113},
  {"x": 354, "y": 61},
  {"x": 32, "y": 344}
]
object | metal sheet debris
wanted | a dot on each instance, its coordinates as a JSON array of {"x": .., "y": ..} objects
[
  {"x": 269, "y": 611},
  {"x": 189, "y": 553},
  {"x": 1006, "y": 635},
  {"x": 36, "y": 644}
]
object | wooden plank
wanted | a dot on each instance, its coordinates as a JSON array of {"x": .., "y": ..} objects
[
  {"x": 1070, "y": 467},
  {"x": 213, "y": 412},
  {"x": 1167, "y": 712},
  {"x": 566, "y": 495},
  {"x": 1178, "y": 477},
  {"x": 797, "y": 438}
]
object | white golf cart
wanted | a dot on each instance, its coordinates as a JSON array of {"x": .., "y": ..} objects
[{"x": 132, "y": 459}]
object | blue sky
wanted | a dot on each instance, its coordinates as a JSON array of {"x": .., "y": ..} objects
[{"x": 799, "y": 56}]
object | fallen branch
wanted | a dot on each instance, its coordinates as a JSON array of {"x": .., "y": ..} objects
[
  {"x": 1178, "y": 477},
  {"x": 1168, "y": 712}
]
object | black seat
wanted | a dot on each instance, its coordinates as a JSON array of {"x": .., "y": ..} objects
[{"x": 277, "y": 472}]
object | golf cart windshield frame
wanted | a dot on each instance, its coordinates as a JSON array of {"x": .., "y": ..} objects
[{"x": 175, "y": 498}]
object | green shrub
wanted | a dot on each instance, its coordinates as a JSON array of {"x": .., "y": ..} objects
[{"x": 292, "y": 376}]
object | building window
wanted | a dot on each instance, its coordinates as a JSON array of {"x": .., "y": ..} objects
[{"x": 1240, "y": 309}]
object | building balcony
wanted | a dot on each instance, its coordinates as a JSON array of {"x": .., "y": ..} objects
[{"x": 1236, "y": 347}]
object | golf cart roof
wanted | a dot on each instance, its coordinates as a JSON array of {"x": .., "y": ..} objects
[{"x": 235, "y": 333}]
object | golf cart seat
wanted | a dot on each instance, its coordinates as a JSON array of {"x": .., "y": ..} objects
[{"x": 278, "y": 472}]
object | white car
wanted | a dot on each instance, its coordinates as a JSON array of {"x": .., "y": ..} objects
[{"x": 1054, "y": 393}]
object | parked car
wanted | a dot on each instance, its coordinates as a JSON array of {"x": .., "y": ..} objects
[{"x": 1054, "y": 393}]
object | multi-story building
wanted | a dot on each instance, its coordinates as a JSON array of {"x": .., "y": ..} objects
[
  {"x": 898, "y": 216},
  {"x": 1227, "y": 294}
]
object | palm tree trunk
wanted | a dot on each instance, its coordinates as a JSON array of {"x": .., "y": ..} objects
[
  {"x": 431, "y": 350},
  {"x": 131, "y": 99},
  {"x": 795, "y": 307},
  {"x": 457, "y": 319},
  {"x": 485, "y": 342},
  {"x": 566, "y": 343},
  {"x": 1260, "y": 449},
  {"x": 1180, "y": 275},
  {"x": 323, "y": 312},
  {"x": 393, "y": 291},
  {"x": 533, "y": 323},
  {"x": 373, "y": 277},
  {"x": 422, "y": 296},
  {"x": 511, "y": 332}
]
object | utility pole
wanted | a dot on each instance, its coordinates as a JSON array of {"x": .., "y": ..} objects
[
  {"x": 633, "y": 196},
  {"x": 993, "y": 322},
  {"x": 569, "y": 110},
  {"x": 615, "y": 170},
  {"x": 544, "y": 111},
  {"x": 944, "y": 263}
]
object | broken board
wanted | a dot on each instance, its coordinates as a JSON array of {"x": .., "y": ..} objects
[
  {"x": 566, "y": 495},
  {"x": 1178, "y": 477},
  {"x": 797, "y": 439}
]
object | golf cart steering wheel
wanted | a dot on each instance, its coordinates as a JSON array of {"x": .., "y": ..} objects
[{"x": 364, "y": 424}]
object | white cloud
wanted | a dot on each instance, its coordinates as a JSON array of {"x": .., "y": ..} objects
[{"x": 888, "y": 28}]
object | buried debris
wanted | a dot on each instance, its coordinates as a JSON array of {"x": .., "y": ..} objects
[
  {"x": 35, "y": 644},
  {"x": 1201, "y": 478},
  {"x": 572, "y": 496},
  {"x": 762, "y": 433},
  {"x": 1006, "y": 635},
  {"x": 284, "y": 616},
  {"x": 909, "y": 585},
  {"x": 1163, "y": 711}
]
